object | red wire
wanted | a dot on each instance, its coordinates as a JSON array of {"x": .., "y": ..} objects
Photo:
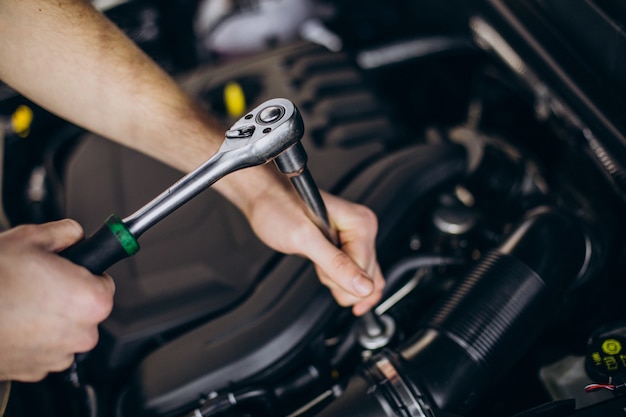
[{"x": 596, "y": 387}]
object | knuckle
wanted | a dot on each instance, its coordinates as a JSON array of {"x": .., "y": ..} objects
[
  {"x": 368, "y": 215},
  {"x": 365, "y": 215},
  {"x": 63, "y": 363},
  {"x": 27, "y": 231},
  {"x": 88, "y": 340},
  {"x": 73, "y": 224},
  {"x": 342, "y": 262},
  {"x": 95, "y": 302},
  {"x": 102, "y": 306}
]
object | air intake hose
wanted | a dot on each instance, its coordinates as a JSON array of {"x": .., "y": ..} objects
[{"x": 480, "y": 330}]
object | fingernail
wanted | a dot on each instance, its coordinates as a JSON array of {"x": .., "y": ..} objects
[{"x": 362, "y": 286}]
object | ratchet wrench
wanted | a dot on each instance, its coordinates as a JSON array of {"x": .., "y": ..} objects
[{"x": 260, "y": 136}]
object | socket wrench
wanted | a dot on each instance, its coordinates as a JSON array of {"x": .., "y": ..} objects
[{"x": 257, "y": 138}]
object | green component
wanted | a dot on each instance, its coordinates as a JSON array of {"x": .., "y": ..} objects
[{"x": 123, "y": 235}]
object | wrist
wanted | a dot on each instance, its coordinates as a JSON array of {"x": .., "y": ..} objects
[{"x": 246, "y": 187}]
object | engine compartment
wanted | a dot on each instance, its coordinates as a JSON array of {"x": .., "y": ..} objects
[{"x": 492, "y": 153}]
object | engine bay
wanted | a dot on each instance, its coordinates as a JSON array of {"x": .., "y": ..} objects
[{"x": 488, "y": 139}]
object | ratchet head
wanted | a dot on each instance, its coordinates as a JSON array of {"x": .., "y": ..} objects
[{"x": 264, "y": 133}]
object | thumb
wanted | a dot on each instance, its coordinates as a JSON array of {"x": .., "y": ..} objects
[
  {"x": 58, "y": 235},
  {"x": 339, "y": 269}
]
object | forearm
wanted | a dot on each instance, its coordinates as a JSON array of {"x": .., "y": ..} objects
[{"x": 70, "y": 59}]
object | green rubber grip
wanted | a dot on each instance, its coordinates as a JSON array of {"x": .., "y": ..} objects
[{"x": 111, "y": 243}]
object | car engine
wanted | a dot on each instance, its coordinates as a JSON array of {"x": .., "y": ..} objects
[{"x": 487, "y": 136}]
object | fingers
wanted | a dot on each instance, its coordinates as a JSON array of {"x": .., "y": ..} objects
[
  {"x": 360, "y": 304},
  {"x": 40, "y": 369},
  {"x": 89, "y": 297},
  {"x": 351, "y": 273},
  {"x": 363, "y": 306},
  {"x": 341, "y": 274},
  {"x": 90, "y": 301},
  {"x": 56, "y": 236},
  {"x": 51, "y": 307}
]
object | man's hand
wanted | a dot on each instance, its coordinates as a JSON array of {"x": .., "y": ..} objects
[
  {"x": 49, "y": 307},
  {"x": 351, "y": 273}
]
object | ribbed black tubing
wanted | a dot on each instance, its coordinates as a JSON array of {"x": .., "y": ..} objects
[{"x": 486, "y": 323}]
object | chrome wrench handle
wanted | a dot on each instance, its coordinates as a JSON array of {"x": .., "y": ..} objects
[{"x": 255, "y": 139}]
